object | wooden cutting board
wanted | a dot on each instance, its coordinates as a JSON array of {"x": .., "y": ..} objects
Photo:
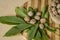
[{"x": 38, "y": 4}]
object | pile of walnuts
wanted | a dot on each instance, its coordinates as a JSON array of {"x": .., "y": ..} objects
[
  {"x": 54, "y": 8},
  {"x": 33, "y": 18}
]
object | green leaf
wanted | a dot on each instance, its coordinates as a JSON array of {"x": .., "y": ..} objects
[
  {"x": 50, "y": 28},
  {"x": 22, "y": 12},
  {"x": 44, "y": 35},
  {"x": 35, "y": 10},
  {"x": 30, "y": 9},
  {"x": 17, "y": 29},
  {"x": 11, "y": 20},
  {"x": 43, "y": 10},
  {"x": 46, "y": 15},
  {"x": 32, "y": 32},
  {"x": 38, "y": 36}
]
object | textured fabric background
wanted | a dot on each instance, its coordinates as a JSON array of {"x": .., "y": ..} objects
[{"x": 7, "y": 8}]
